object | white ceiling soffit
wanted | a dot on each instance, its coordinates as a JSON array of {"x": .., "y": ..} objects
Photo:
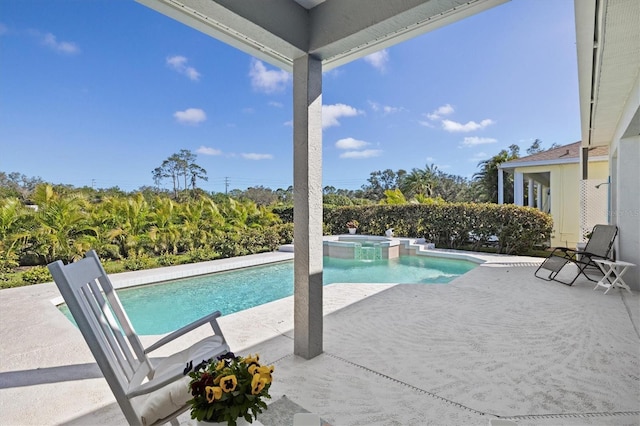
[
  {"x": 336, "y": 31},
  {"x": 608, "y": 44}
]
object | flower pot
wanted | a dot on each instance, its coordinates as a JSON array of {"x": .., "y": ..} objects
[
  {"x": 239, "y": 421},
  {"x": 352, "y": 230}
]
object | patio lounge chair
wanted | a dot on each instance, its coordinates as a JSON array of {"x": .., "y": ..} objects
[
  {"x": 148, "y": 392},
  {"x": 598, "y": 247}
]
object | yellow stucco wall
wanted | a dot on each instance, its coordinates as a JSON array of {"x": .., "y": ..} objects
[
  {"x": 598, "y": 170},
  {"x": 565, "y": 197}
]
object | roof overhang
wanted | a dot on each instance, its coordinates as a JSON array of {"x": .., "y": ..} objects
[
  {"x": 608, "y": 47},
  {"x": 335, "y": 31},
  {"x": 507, "y": 166}
]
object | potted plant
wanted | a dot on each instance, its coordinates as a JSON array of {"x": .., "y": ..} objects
[
  {"x": 352, "y": 226},
  {"x": 229, "y": 390}
]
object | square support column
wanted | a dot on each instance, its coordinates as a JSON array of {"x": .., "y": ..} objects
[
  {"x": 307, "y": 205},
  {"x": 518, "y": 189},
  {"x": 539, "y": 197},
  {"x": 500, "y": 186},
  {"x": 530, "y": 193}
]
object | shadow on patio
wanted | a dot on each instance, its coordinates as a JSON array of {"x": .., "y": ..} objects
[{"x": 496, "y": 342}]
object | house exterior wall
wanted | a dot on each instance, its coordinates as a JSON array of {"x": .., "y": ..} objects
[
  {"x": 598, "y": 170},
  {"x": 625, "y": 205},
  {"x": 565, "y": 201}
]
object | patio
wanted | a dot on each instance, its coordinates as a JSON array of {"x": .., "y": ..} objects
[{"x": 496, "y": 342}]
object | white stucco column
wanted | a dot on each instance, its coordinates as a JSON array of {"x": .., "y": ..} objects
[
  {"x": 307, "y": 204},
  {"x": 530, "y": 193},
  {"x": 518, "y": 189},
  {"x": 539, "y": 198},
  {"x": 500, "y": 186},
  {"x": 625, "y": 210}
]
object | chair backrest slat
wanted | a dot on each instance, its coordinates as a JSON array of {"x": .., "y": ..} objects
[
  {"x": 110, "y": 330},
  {"x": 601, "y": 240}
]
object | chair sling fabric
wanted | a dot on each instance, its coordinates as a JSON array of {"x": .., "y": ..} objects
[
  {"x": 598, "y": 247},
  {"x": 149, "y": 392}
]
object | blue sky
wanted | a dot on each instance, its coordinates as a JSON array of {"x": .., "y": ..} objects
[{"x": 100, "y": 92}]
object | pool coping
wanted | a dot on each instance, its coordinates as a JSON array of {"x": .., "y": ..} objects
[
  {"x": 285, "y": 253},
  {"x": 168, "y": 273}
]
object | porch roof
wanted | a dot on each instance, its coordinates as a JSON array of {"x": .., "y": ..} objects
[
  {"x": 334, "y": 31},
  {"x": 562, "y": 155}
]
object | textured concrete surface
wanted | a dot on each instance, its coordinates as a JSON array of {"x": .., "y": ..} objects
[{"x": 496, "y": 342}]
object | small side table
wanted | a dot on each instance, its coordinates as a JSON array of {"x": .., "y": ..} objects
[{"x": 613, "y": 269}]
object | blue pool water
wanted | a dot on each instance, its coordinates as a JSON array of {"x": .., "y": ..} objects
[{"x": 164, "y": 307}]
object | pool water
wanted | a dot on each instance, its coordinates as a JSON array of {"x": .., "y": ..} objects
[{"x": 164, "y": 307}]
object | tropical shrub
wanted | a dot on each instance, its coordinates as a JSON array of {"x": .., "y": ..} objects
[
  {"x": 138, "y": 262},
  {"x": 451, "y": 225},
  {"x": 37, "y": 274}
]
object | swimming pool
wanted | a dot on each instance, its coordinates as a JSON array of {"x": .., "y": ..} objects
[{"x": 186, "y": 300}]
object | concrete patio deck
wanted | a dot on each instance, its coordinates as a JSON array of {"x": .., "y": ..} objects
[{"x": 494, "y": 343}]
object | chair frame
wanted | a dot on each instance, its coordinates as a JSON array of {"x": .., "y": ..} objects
[
  {"x": 105, "y": 326},
  {"x": 582, "y": 259}
]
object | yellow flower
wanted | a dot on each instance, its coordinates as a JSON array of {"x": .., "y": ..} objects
[
  {"x": 228, "y": 383},
  {"x": 265, "y": 373},
  {"x": 220, "y": 365},
  {"x": 252, "y": 360},
  {"x": 257, "y": 384},
  {"x": 252, "y": 368},
  {"x": 212, "y": 393}
]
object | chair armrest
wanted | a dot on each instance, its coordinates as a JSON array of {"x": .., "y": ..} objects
[
  {"x": 211, "y": 318},
  {"x": 591, "y": 255},
  {"x": 564, "y": 252}
]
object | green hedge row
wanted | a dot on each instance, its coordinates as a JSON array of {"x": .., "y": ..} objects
[{"x": 450, "y": 225}]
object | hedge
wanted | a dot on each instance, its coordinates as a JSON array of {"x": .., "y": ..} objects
[{"x": 450, "y": 225}]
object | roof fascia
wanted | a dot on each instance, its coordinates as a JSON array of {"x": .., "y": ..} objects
[
  {"x": 341, "y": 32},
  {"x": 587, "y": 47},
  {"x": 275, "y": 31},
  {"x": 572, "y": 160}
]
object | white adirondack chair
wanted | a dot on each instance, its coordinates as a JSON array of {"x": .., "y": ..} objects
[{"x": 148, "y": 394}]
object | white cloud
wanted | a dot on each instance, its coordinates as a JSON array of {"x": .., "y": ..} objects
[
  {"x": 288, "y": 123},
  {"x": 331, "y": 114},
  {"x": 351, "y": 143},
  {"x": 267, "y": 81},
  {"x": 190, "y": 116},
  {"x": 439, "y": 112},
  {"x": 425, "y": 123},
  {"x": 392, "y": 110},
  {"x": 179, "y": 64},
  {"x": 477, "y": 157},
  {"x": 378, "y": 60},
  {"x": 276, "y": 104},
  {"x": 430, "y": 160},
  {"x": 452, "y": 126},
  {"x": 65, "y": 47},
  {"x": 255, "y": 156},
  {"x": 3, "y": 29},
  {"x": 367, "y": 153},
  {"x": 205, "y": 150},
  {"x": 475, "y": 140}
]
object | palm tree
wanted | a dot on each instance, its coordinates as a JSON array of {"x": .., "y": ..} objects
[
  {"x": 420, "y": 181},
  {"x": 131, "y": 223},
  {"x": 14, "y": 226},
  {"x": 487, "y": 177},
  {"x": 164, "y": 232},
  {"x": 63, "y": 229}
]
